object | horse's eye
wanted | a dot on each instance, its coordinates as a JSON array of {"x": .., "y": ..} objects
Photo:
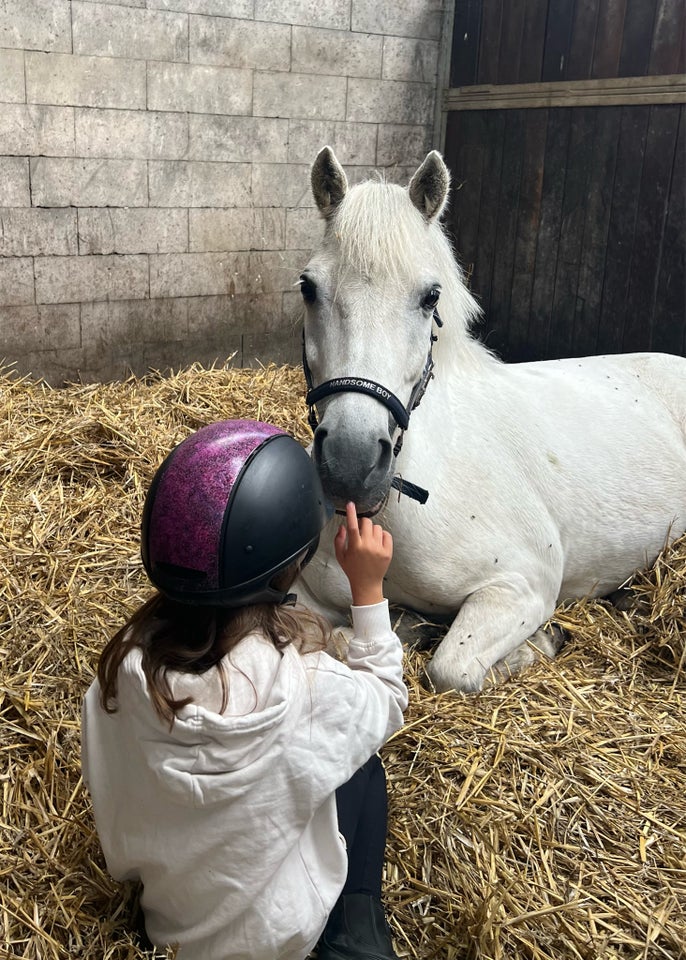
[
  {"x": 430, "y": 299},
  {"x": 308, "y": 289}
]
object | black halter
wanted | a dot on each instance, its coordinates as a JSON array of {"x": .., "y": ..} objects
[{"x": 400, "y": 413}]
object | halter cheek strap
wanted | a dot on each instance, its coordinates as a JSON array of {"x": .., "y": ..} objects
[{"x": 371, "y": 388}]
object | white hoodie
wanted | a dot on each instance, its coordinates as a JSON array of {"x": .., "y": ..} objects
[{"x": 229, "y": 820}]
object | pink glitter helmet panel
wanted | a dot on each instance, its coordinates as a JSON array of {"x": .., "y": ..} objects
[{"x": 231, "y": 505}]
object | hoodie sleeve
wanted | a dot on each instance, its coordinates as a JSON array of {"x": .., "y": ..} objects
[
  {"x": 356, "y": 706},
  {"x": 376, "y": 649}
]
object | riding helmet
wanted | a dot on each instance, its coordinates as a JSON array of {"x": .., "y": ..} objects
[{"x": 231, "y": 506}]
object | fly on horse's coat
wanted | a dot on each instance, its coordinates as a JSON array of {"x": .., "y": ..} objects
[{"x": 546, "y": 481}]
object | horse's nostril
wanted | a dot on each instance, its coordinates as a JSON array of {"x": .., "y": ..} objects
[
  {"x": 385, "y": 455},
  {"x": 319, "y": 438}
]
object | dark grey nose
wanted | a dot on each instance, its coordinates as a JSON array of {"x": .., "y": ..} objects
[{"x": 353, "y": 470}]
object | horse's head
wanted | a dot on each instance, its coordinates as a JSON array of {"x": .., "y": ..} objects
[{"x": 370, "y": 294}]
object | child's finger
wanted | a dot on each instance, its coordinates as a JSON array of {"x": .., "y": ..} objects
[
  {"x": 340, "y": 538},
  {"x": 351, "y": 518},
  {"x": 366, "y": 528}
]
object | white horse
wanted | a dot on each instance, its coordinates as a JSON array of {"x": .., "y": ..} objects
[{"x": 546, "y": 481}]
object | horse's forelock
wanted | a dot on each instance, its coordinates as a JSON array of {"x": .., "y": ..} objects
[{"x": 380, "y": 233}]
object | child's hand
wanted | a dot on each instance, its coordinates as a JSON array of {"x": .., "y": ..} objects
[{"x": 364, "y": 552}]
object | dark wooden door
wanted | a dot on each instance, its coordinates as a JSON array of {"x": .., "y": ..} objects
[{"x": 566, "y": 142}]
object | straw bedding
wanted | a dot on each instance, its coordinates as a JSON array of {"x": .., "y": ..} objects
[{"x": 543, "y": 819}]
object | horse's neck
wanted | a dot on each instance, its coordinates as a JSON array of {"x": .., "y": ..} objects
[{"x": 457, "y": 352}]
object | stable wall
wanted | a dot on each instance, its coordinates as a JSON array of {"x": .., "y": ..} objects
[{"x": 154, "y": 167}]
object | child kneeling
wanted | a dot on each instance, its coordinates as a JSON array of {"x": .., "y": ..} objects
[{"x": 230, "y": 760}]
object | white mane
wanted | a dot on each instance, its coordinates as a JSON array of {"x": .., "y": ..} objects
[{"x": 379, "y": 234}]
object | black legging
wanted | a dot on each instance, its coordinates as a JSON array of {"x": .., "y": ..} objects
[{"x": 362, "y": 807}]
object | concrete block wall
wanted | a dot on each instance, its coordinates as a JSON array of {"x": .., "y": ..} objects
[{"x": 154, "y": 167}]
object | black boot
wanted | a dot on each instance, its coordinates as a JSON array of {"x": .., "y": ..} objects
[{"x": 356, "y": 930}]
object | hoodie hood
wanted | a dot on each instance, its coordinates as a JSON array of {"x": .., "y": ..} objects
[{"x": 208, "y": 757}]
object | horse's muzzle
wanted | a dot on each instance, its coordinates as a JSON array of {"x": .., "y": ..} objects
[{"x": 352, "y": 471}]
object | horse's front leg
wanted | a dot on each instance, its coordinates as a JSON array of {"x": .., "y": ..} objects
[{"x": 492, "y": 623}]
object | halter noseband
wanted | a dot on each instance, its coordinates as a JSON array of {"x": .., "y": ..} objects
[{"x": 400, "y": 413}]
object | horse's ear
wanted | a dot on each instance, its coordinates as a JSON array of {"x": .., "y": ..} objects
[
  {"x": 329, "y": 182},
  {"x": 429, "y": 186}
]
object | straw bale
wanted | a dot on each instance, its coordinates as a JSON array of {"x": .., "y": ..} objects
[{"x": 544, "y": 818}]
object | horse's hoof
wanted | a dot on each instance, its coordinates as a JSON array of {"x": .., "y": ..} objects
[
  {"x": 546, "y": 643},
  {"x": 549, "y": 640}
]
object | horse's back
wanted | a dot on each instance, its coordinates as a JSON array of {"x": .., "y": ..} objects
[
  {"x": 665, "y": 374},
  {"x": 661, "y": 375},
  {"x": 619, "y": 421}
]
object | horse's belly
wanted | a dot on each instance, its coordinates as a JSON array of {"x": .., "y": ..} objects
[
  {"x": 622, "y": 503},
  {"x": 602, "y": 555},
  {"x": 600, "y": 573}
]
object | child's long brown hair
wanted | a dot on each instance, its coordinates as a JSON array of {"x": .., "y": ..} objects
[{"x": 193, "y": 639}]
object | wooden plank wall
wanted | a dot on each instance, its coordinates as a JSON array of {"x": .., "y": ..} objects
[
  {"x": 571, "y": 221},
  {"x": 529, "y": 41}
]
